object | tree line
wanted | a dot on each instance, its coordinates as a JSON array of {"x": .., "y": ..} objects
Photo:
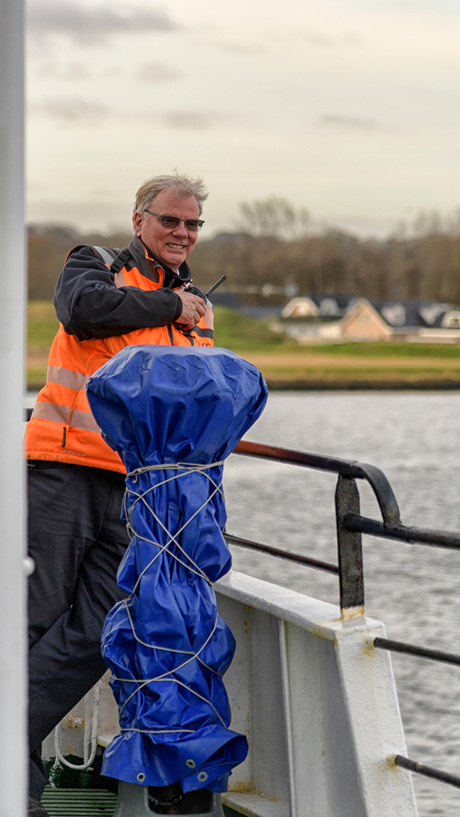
[{"x": 274, "y": 253}]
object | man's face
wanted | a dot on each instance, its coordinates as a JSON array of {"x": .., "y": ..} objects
[{"x": 174, "y": 245}]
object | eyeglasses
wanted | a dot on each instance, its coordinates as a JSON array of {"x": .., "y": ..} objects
[{"x": 171, "y": 222}]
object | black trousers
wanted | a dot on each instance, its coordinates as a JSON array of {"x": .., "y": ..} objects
[{"x": 77, "y": 539}]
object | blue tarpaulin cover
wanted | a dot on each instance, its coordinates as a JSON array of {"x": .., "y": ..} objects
[{"x": 177, "y": 412}]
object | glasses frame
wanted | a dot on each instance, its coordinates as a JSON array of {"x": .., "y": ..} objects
[{"x": 187, "y": 221}]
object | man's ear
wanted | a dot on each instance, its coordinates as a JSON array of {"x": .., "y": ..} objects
[{"x": 138, "y": 221}]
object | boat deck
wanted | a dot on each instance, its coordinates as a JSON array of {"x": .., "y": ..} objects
[
  {"x": 88, "y": 803},
  {"x": 79, "y": 802}
]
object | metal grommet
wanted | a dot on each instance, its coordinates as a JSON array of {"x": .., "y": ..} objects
[
  {"x": 202, "y": 776},
  {"x": 190, "y": 763},
  {"x": 140, "y": 777}
]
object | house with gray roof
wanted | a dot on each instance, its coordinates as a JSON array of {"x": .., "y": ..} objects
[{"x": 400, "y": 320}]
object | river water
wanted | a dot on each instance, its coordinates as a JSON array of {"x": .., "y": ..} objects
[{"x": 414, "y": 437}]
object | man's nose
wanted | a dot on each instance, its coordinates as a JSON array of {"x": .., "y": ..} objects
[{"x": 181, "y": 230}]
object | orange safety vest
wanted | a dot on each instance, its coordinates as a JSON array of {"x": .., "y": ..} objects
[{"x": 62, "y": 427}]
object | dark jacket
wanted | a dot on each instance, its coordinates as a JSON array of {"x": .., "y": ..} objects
[{"x": 89, "y": 305}]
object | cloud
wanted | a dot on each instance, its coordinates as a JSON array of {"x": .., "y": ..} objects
[
  {"x": 191, "y": 120},
  {"x": 242, "y": 49},
  {"x": 71, "y": 111},
  {"x": 349, "y": 122},
  {"x": 435, "y": 6},
  {"x": 325, "y": 41},
  {"x": 283, "y": 39},
  {"x": 93, "y": 25},
  {"x": 74, "y": 70},
  {"x": 158, "y": 72}
]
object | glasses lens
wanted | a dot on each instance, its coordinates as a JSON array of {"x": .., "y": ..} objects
[
  {"x": 169, "y": 222},
  {"x": 193, "y": 224}
]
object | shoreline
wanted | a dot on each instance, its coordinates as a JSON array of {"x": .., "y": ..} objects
[
  {"x": 329, "y": 370},
  {"x": 362, "y": 385},
  {"x": 339, "y": 385}
]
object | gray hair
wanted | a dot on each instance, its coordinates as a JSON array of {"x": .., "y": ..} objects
[{"x": 181, "y": 186}]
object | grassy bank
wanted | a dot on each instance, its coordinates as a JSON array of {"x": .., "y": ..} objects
[
  {"x": 42, "y": 326},
  {"x": 288, "y": 365}
]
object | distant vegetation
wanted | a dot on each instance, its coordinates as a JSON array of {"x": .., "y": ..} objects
[
  {"x": 48, "y": 246},
  {"x": 276, "y": 253},
  {"x": 233, "y": 331},
  {"x": 286, "y": 364}
]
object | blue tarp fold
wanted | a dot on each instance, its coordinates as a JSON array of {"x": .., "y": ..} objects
[{"x": 174, "y": 414}]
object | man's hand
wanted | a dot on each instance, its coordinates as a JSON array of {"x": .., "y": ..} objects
[{"x": 193, "y": 308}]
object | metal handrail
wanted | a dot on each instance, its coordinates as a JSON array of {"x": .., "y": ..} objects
[
  {"x": 281, "y": 554},
  {"x": 412, "y": 535},
  {"x": 350, "y": 526},
  {"x": 350, "y": 523},
  {"x": 420, "y": 652},
  {"x": 350, "y": 469}
]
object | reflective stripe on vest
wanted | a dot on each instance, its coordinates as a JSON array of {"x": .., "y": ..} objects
[
  {"x": 119, "y": 279},
  {"x": 66, "y": 377},
  {"x": 61, "y": 414}
]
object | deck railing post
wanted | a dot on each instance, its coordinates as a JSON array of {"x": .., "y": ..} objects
[{"x": 349, "y": 550}]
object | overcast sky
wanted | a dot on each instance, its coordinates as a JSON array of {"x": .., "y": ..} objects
[{"x": 349, "y": 108}]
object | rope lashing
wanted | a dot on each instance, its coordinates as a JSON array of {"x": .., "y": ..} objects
[{"x": 172, "y": 539}]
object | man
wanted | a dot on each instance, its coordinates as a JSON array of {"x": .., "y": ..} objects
[{"x": 104, "y": 300}]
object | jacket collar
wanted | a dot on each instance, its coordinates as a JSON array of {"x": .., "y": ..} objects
[{"x": 147, "y": 265}]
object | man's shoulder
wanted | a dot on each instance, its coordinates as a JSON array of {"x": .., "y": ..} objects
[
  {"x": 108, "y": 254},
  {"x": 105, "y": 254}
]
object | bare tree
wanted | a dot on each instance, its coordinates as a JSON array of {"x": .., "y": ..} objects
[{"x": 273, "y": 217}]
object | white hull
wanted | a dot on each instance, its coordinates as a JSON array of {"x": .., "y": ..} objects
[
  {"x": 319, "y": 705},
  {"x": 317, "y": 702}
]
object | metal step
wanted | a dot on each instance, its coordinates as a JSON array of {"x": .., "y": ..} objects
[
  {"x": 79, "y": 802},
  {"x": 102, "y": 803}
]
